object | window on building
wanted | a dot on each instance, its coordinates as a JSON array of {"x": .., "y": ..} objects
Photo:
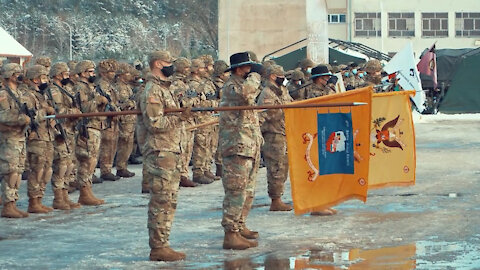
[
  {"x": 337, "y": 18},
  {"x": 401, "y": 24},
  {"x": 467, "y": 24},
  {"x": 435, "y": 24},
  {"x": 368, "y": 25}
]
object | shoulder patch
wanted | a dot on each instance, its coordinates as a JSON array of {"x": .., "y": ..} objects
[{"x": 153, "y": 100}]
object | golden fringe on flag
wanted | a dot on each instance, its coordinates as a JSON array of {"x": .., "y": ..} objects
[
  {"x": 318, "y": 177},
  {"x": 392, "y": 137}
]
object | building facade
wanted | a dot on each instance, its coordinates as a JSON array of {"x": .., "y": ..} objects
[
  {"x": 264, "y": 26},
  {"x": 386, "y": 25}
]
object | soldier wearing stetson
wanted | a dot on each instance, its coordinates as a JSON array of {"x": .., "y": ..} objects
[
  {"x": 240, "y": 140},
  {"x": 320, "y": 85}
]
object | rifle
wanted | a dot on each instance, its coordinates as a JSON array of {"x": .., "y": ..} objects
[
  {"x": 109, "y": 107},
  {"x": 82, "y": 125},
  {"x": 58, "y": 122},
  {"x": 298, "y": 89},
  {"x": 212, "y": 109},
  {"x": 74, "y": 102},
  {"x": 25, "y": 110}
]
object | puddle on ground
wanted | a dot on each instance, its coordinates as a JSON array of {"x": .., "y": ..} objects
[{"x": 419, "y": 255}]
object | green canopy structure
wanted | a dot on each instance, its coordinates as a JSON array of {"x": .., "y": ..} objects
[
  {"x": 463, "y": 94},
  {"x": 290, "y": 60}
]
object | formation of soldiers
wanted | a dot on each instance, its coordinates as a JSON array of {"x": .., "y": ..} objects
[{"x": 66, "y": 152}]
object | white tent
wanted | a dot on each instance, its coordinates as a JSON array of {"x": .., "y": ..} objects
[{"x": 11, "y": 49}]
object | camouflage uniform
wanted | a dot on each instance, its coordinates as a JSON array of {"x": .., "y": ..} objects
[
  {"x": 180, "y": 89},
  {"x": 44, "y": 61},
  {"x": 39, "y": 143},
  {"x": 12, "y": 138},
  {"x": 220, "y": 68},
  {"x": 162, "y": 154},
  {"x": 202, "y": 146},
  {"x": 317, "y": 90},
  {"x": 240, "y": 139},
  {"x": 296, "y": 81},
  {"x": 373, "y": 78},
  {"x": 64, "y": 161},
  {"x": 87, "y": 148},
  {"x": 108, "y": 145},
  {"x": 126, "y": 122},
  {"x": 273, "y": 130},
  {"x": 141, "y": 133}
]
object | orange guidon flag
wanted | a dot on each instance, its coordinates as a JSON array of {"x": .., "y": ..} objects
[
  {"x": 328, "y": 151},
  {"x": 392, "y": 141}
]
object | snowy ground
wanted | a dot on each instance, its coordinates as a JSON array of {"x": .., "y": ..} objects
[{"x": 432, "y": 225}]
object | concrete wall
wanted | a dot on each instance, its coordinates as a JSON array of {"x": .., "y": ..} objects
[{"x": 262, "y": 26}]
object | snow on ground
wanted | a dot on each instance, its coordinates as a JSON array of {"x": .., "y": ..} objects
[{"x": 432, "y": 225}]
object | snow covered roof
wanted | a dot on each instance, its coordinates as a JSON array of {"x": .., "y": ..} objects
[{"x": 9, "y": 47}]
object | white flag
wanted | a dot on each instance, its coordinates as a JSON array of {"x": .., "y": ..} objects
[{"x": 403, "y": 63}]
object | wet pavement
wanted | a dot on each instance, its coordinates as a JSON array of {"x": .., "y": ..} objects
[{"x": 432, "y": 225}]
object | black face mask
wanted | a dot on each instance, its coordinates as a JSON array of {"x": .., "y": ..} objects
[
  {"x": 20, "y": 78},
  {"x": 168, "y": 70},
  {"x": 43, "y": 86},
  {"x": 279, "y": 81},
  {"x": 65, "y": 81},
  {"x": 92, "y": 79}
]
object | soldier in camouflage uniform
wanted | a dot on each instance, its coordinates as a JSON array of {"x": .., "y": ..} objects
[
  {"x": 71, "y": 65},
  {"x": 89, "y": 135},
  {"x": 210, "y": 91},
  {"x": 62, "y": 98},
  {"x": 220, "y": 76},
  {"x": 13, "y": 125},
  {"x": 273, "y": 130},
  {"x": 40, "y": 141},
  {"x": 240, "y": 139},
  {"x": 108, "y": 146},
  {"x": 186, "y": 98},
  {"x": 162, "y": 154},
  {"x": 44, "y": 61},
  {"x": 320, "y": 86},
  {"x": 306, "y": 66},
  {"x": 201, "y": 146},
  {"x": 141, "y": 133},
  {"x": 374, "y": 73},
  {"x": 295, "y": 83},
  {"x": 126, "y": 123}
]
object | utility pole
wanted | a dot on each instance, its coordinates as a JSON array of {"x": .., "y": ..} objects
[{"x": 70, "y": 31}]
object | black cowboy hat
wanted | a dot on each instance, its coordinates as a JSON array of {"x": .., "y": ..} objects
[
  {"x": 320, "y": 70},
  {"x": 240, "y": 59}
]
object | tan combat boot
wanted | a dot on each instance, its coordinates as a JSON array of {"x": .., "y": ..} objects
[
  {"x": 59, "y": 201},
  {"x": 210, "y": 175},
  {"x": 166, "y": 254},
  {"x": 202, "y": 179},
  {"x": 9, "y": 211},
  {"x": 24, "y": 214},
  {"x": 185, "y": 182},
  {"x": 87, "y": 198},
  {"x": 246, "y": 233},
  {"x": 125, "y": 173},
  {"x": 73, "y": 205},
  {"x": 278, "y": 205},
  {"x": 49, "y": 209},
  {"x": 233, "y": 240},
  {"x": 35, "y": 206}
]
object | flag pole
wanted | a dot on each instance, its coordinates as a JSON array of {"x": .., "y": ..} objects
[{"x": 210, "y": 109}]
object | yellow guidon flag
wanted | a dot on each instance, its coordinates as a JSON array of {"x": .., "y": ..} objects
[
  {"x": 392, "y": 141},
  {"x": 329, "y": 150}
]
